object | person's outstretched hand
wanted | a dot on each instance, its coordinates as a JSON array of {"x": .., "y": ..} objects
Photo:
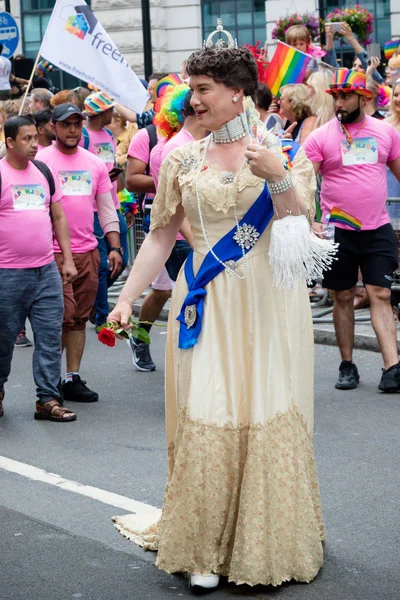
[
  {"x": 121, "y": 314},
  {"x": 374, "y": 64}
]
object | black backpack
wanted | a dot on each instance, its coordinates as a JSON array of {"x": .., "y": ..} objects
[{"x": 44, "y": 169}]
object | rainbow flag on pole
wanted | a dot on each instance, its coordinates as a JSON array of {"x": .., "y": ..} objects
[
  {"x": 288, "y": 65},
  {"x": 390, "y": 48}
]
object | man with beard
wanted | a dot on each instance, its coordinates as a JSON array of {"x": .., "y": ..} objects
[
  {"x": 85, "y": 187},
  {"x": 351, "y": 152}
]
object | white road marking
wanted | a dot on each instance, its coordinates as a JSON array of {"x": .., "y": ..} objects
[{"x": 25, "y": 470}]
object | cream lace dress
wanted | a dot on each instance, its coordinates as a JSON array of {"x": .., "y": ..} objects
[{"x": 242, "y": 497}]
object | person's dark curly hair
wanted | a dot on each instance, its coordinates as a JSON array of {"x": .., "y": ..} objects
[{"x": 234, "y": 67}]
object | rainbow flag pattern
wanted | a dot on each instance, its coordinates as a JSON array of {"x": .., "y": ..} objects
[
  {"x": 390, "y": 48},
  {"x": 348, "y": 78},
  {"x": 162, "y": 85},
  {"x": 288, "y": 65},
  {"x": 340, "y": 216}
]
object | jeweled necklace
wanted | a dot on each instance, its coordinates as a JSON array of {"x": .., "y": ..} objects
[
  {"x": 238, "y": 236},
  {"x": 233, "y": 130}
]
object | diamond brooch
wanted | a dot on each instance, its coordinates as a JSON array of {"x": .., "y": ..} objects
[
  {"x": 246, "y": 236},
  {"x": 227, "y": 178},
  {"x": 188, "y": 162},
  {"x": 190, "y": 315}
]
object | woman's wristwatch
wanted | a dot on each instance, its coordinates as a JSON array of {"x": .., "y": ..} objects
[
  {"x": 280, "y": 186},
  {"x": 120, "y": 250}
]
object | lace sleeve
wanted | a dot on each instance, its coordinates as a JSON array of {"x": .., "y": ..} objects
[
  {"x": 168, "y": 195},
  {"x": 304, "y": 181}
]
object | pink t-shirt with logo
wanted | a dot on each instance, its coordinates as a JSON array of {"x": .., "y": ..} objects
[
  {"x": 26, "y": 232},
  {"x": 103, "y": 145},
  {"x": 358, "y": 189},
  {"x": 81, "y": 176}
]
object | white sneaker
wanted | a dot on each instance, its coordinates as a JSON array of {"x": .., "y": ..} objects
[{"x": 206, "y": 582}]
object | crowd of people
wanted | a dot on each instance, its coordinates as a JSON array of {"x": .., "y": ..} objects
[{"x": 232, "y": 185}]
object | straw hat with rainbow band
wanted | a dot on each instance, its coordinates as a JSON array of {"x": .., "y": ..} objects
[
  {"x": 97, "y": 103},
  {"x": 347, "y": 81}
]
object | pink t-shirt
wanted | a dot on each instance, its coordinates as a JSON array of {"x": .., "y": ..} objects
[
  {"x": 103, "y": 145},
  {"x": 26, "y": 233},
  {"x": 181, "y": 138},
  {"x": 82, "y": 176},
  {"x": 140, "y": 148},
  {"x": 155, "y": 159},
  {"x": 359, "y": 189}
]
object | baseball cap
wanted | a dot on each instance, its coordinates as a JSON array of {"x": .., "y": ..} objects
[{"x": 63, "y": 111}]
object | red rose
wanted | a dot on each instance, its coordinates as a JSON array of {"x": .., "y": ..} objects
[{"x": 106, "y": 336}]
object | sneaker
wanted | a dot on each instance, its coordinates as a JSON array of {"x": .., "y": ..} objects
[
  {"x": 348, "y": 376},
  {"x": 390, "y": 380},
  {"x": 141, "y": 358},
  {"x": 77, "y": 391},
  {"x": 22, "y": 341}
]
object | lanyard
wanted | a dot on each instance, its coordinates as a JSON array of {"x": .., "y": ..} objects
[{"x": 346, "y": 132}]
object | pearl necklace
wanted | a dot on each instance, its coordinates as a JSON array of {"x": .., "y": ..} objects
[
  {"x": 228, "y": 267},
  {"x": 233, "y": 130}
]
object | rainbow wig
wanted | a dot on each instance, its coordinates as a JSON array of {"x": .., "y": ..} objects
[{"x": 169, "y": 116}]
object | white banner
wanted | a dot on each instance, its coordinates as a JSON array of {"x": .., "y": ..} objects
[{"x": 76, "y": 43}]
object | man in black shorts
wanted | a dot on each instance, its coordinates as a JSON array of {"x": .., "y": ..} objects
[{"x": 351, "y": 152}]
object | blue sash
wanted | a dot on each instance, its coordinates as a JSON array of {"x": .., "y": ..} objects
[
  {"x": 191, "y": 315},
  {"x": 227, "y": 249}
]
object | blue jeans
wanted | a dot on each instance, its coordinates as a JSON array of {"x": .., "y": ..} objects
[
  {"x": 36, "y": 294},
  {"x": 105, "y": 281}
]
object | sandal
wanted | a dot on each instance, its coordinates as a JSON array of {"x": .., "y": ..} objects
[{"x": 53, "y": 411}]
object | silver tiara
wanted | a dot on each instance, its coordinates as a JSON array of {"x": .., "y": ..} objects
[{"x": 220, "y": 43}]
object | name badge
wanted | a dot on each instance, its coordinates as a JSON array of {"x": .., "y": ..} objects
[
  {"x": 76, "y": 183},
  {"x": 104, "y": 151},
  {"x": 28, "y": 197},
  {"x": 362, "y": 151}
]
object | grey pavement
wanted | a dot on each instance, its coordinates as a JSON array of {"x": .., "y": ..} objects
[{"x": 58, "y": 545}]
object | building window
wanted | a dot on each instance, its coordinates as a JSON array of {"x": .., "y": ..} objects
[
  {"x": 380, "y": 10},
  {"x": 244, "y": 19}
]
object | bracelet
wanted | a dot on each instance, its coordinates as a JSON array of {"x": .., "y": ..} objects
[{"x": 280, "y": 186}]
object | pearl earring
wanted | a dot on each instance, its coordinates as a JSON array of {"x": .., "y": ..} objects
[{"x": 235, "y": 99}]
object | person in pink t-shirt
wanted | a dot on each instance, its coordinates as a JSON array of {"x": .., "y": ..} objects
[
  {"x": 99, "y": 140},
  {"x": 352, "y": 152},
  {"x": 144, "y": 161},
  {"x": 44, "y": 128},
  {"x": 30, "y": 282},
  {"x": 85, "y": 184}
]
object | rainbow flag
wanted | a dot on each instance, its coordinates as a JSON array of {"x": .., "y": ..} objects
[
  {"x": 340, "y": 216},
  {"x": 390, "y": 48},
  {"x": 288, "y": 65}
]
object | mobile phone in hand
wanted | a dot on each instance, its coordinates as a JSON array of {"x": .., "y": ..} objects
[
  {"x": 113, "y": 174},
  {"x": 335, "y": 26}
]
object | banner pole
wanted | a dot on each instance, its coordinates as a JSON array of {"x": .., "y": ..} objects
[{"x": 29, "y": 83}]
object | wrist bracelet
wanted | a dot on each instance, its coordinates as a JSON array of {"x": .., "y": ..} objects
[{"x": 280, "y": 186}]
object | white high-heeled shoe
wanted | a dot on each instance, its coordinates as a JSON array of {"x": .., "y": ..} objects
[{"x": 204, "y": 582}]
